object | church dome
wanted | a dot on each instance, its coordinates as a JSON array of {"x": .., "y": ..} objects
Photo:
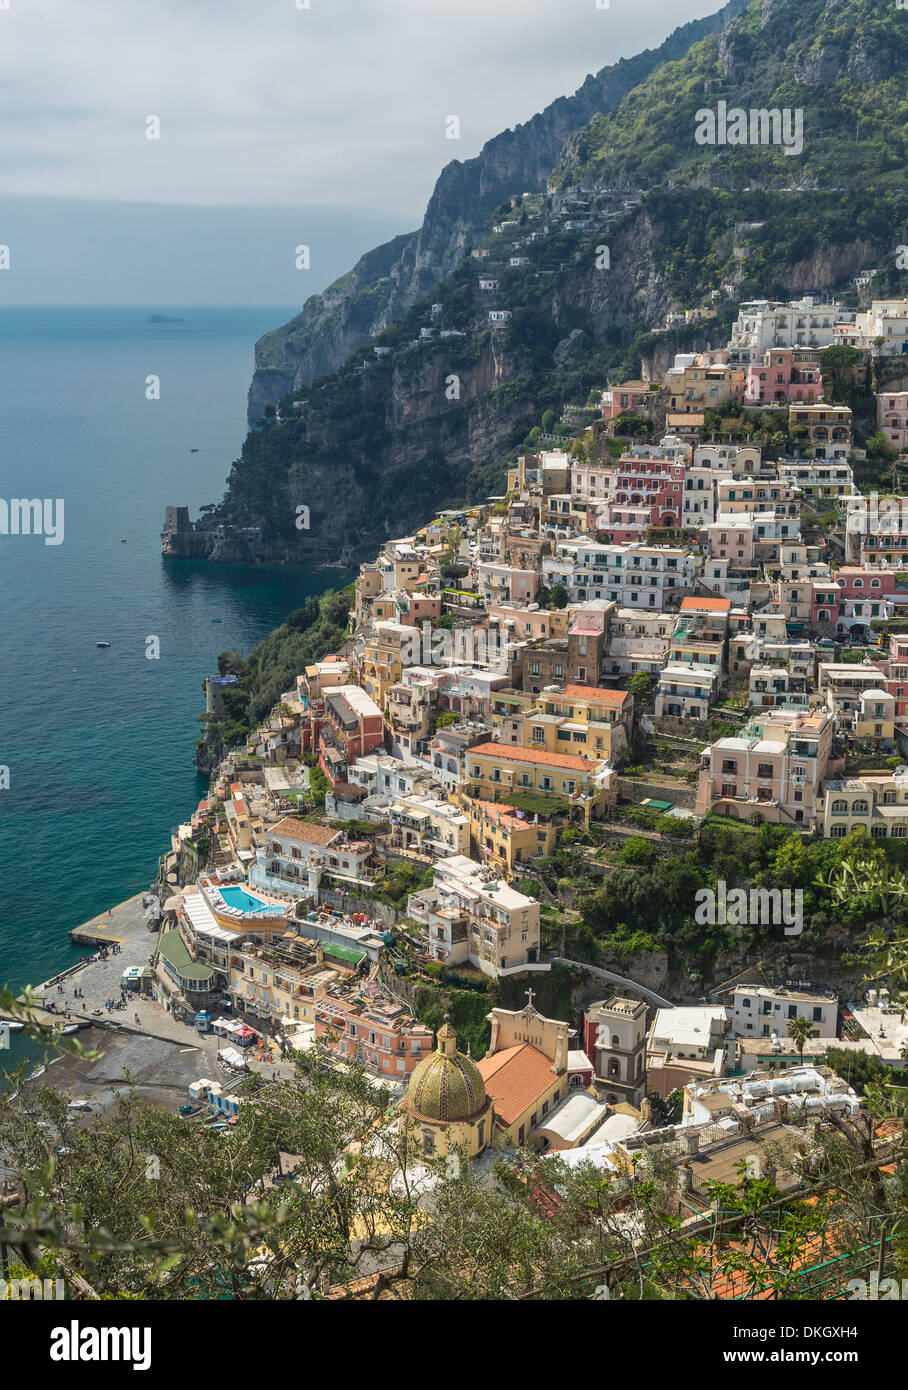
[{"x": 446, "y": 1086}]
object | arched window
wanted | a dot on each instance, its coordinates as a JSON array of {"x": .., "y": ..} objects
[
  {"x": 859, "y": 808},
  {"x": 840, "y": 808},
  {"x": 616, "y": 1041}
]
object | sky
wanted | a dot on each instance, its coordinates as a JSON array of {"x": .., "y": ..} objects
[{"x": 279, "y": 125}]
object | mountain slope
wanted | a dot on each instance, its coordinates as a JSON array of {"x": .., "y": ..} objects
[
  {"x": 373, "y": 450},
  {"x": 841, "y": 62},
  {"x": 388, "y": 281}
]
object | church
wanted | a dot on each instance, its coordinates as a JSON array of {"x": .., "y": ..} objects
[{"x": 530, "y": 1089}]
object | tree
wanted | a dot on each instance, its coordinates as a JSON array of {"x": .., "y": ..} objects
[
  {"x": 454, "y": 539},
  {"x": 800, "y": 1030},
  {"x": 640, "y": 685},
  {"x": 558, "y": 596}
]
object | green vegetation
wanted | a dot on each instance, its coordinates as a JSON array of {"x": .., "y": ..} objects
[
  {"x": 854, "y": 131},
  {"x": 536, "y": 804},
  {"x": 662, "y": 893},
  {"x": 306, "y": 635}
]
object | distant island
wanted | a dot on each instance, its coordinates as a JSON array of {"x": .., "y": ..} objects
[{"x": 163, "y": 318}]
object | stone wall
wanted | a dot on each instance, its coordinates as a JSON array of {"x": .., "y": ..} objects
[
  {"x": 635, "y": 789},
  {"x": 331, "y": 897}
]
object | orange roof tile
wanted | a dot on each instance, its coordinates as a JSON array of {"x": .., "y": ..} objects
[
  {"x": 505, "y": 753},
  {"x": 515, "y": 1079},
  {"x": 713, "y": 605},
  {"x": 295, "y": 829},
  {"x": 593, "y": 692}
]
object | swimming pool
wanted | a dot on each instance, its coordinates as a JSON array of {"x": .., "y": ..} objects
[{"x": 235, "y": 896}]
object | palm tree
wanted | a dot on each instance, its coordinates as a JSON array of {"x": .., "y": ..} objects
[{"x": 799, "y": 1030}]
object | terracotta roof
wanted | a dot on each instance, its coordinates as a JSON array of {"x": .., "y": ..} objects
[
  {"x": 498, "y": 811},
  {"x": 530, "y": 755},
  {"x": 592, "y": 692},
  {"x": 295, "y": 829},
  {"x": 713, "y": 605},
  {"x": 515, "y": 1079}
]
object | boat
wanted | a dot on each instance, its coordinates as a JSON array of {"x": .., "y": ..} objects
[
  {"x": 124, "y": 541},
  {"x": 102, "y": 644},
  {"x": 217, "y": 620},
  {"x": 193, "y": 451}
]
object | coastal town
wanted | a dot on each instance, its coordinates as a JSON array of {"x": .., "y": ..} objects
[
  {"x": 492, "y": 790},
  {"x": 634, "y": 641}
]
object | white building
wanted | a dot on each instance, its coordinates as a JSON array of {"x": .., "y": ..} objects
[
  {"x": 472, "y": 914},
  {"x": 762, "y": 324},
  {"x": 758, "y": 1011},
  {"x": 632, "y": 575}
]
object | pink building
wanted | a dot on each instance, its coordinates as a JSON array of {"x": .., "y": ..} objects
[
  {"x": 655, "y": 484},
  {"x": 621, "y": 523},
  {"x": 852, "y": 597},
  {"x": 785, "y": 375},
  {"x": 897, "y": 681},
  {"x": 420, "y": 608},
  {"x": 892, "y": 417},
  {"x": 731, "y": 538},
  {"x": 775, "y": 767},
  {"x": 631, "y": 397}
]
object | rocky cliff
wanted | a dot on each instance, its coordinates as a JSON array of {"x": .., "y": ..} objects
[
  {"x": 460, "y": 378},
  {"x": 389, "y": 280}
]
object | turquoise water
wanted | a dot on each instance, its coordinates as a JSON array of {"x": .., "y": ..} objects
[
  {"x": 235, "y": 896},
  {"x": 99, "y": 742}
]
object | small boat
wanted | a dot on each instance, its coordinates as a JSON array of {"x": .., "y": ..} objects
[
  {"x": 193, "y": 451},
  {"x": 124, "y": 541},
  {"x": 216, "y": 620},
  {"x": 102, "y": 644}
]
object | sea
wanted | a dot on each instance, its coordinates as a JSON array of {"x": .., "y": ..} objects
[{"x": 99, "y": 741}]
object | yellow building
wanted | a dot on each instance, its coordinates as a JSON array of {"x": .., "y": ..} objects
[
  {"x": 874, "y": 719},
  {"x": 388, "y": 651},
  {"x": 587, "y": 784},
  {"x": 367, "y": 587},
  {"x": 281, "y": 981},
  {"x": 582, "y": 721},
  {"x": 876, "y": 803},
  {"x": 506, "y": 838},
  {"x": 528, "y": 1070}
]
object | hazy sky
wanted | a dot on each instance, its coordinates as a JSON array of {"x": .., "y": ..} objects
[{"x": 278, "y": 125}]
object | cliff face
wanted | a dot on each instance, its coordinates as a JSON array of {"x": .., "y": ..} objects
[
  {"x": 388, "y": 281},
  {"x": 373, "y": 449}
]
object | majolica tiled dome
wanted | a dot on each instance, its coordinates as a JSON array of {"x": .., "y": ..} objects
[{"x": 446, "y": 1086}]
